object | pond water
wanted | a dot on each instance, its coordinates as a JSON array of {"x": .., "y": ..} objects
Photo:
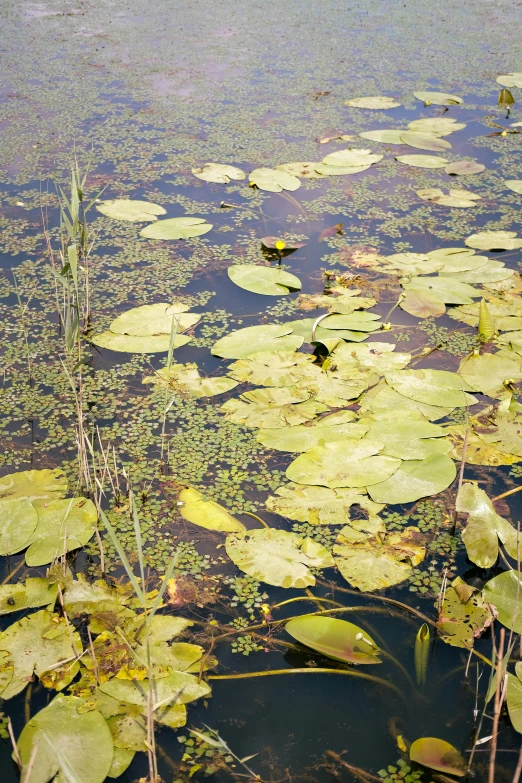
[{"x": 140, "y": 94}]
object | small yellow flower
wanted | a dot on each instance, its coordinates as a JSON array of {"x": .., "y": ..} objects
[
  {"x": 280, "y": 245},
  {"x": 386, "y": 327},
  {"x": 504, "y": 133}
]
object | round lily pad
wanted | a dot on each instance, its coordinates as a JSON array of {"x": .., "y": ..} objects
[
  {"x": 133, "y": 211},
  {"x": 515, "y": 185},
  {"x": 464, "y": 168},
  {"x": 438, "y": 754},
  {"x": 415, "y": 479},
  {"x": 373, "y": 102},
  {"x": 510, "y": 79},
  {"x": 176, "y": 228},
  {"x": 218, "y": 172},
  {"x": 494, "y": 240},
  {"x": 126, "y": 343},
  {"x": 422, "y": 161},
  {"x": 300, "y": 169},
  {"x": 265, "y": 280},
  {"x": 441, "y": 126},
  {"x": 424, "y": 141},
  {"x": 349, "y": 463},
  {"x": 273, "y": 180},
  {"x": 153, "y": 319},
  {"x": 252, "y": 339}
]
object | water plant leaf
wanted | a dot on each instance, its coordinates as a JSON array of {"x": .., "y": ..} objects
[
  {"x": 33, "y": 645},
  {"x": 463, "y": 168},
  {"x": 437, "y": 98},
  {"x": 412, "y": 438},
  {"x": 176, "y": 689},
  {"x": 505, "y": 432},
  {"x": 272, "y": 407},
  {"x": 424, "y": 141},
  {"x": 185, "y": 379},
  {"x": 359, "y": 321},
  {"x": 19, "y": 520},
  {"x": 305, "y": 327},
  {"x": 126, "y": 343},
  {"x": 321, "y": 505},
  {"x": 484, "y": 527},
  {"x": 176, "y": 228},
  {"x": 422, "y": 303},
  {"x": 337, "y": 300},
  {"x": 283, "y": 368},
  {"x": 423, "y": 161},
  {"x": 34, "y": 592},
  {"x": 505, "y": 98},
  {"x": 83, "y": 597},
  {"x": 433, "y": 387},
  {"x": 383, "y": 398},
  {"x": 438, "y": 754},
  {"x": 494, "y": 240},
  {"x": 510, "y": 79},
  {"x": 441, "y": 126},
  {"x": 478, "y": 452},
  {"x": 195, "y": 508},
  {"x": 491, "y": 272},
  {"x": 377, "y": 357},
  {"x": 349, "y": 463},
  {"x": 121, "y": 761},
  {"x": 351, "y": 157},
  {"x": 300, "y": 169},
  {"x": 375, "y": 562},
  {"x": 488, "y": 372},
  {"x": 415, "y": 479},
  {"x": 514, "y": 184},
  {"x": 337, "y": 171},
  {"x": 132, "y": 210},
  {"x": 456, "y": 197},
  {"x": 263, "y": 279},
  {"x": 304, "y": 437},
  {"x": 273, "y": 180},
  {"x": 59, "y": 740},
  {"x": 277, "y": 557},
  {"x": 373, "y": 102},
  {"x": 503, "y": 592},
  {"x": 448, "y": 290},
  {"x": 220, "y": 173},
  {"x": 384, "y": 136},
  {"x": 290, "y": 244},
  {"x": 148, "y": 320},
  {"x": 337, "y": 639},
  {"x": 409, "y": 264},
  {"x": 465, "y": 614},
  {"x": 253, "y": 339},
  {"x": 33, "y": 484}
]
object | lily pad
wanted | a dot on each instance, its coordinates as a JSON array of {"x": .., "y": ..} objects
[
  {"x": 488, "y": 372},
  {"x": 277, "y": 557},
  {"x": 301, "y": 170},
  {"x": 514, "y": 185},
  {"x": 377, "y": 357},
  {"x": 126, "y": 343},
  {"x": 263, "y": 279},
  {"x": 510, "y": 79},
  {"x": 253, "y": 339},
  {"x": 433, "y": 387},
  {"x": 127, "y": 209},
  {"x": 321, "y": 505},
  {"x": 456, "y": 197},
  {"x": 464, "y": 168},
  {"x": 284, "y": 368},
  {"x": 63, "y": 525},
  {"x": 494, "y": 240},
  {"x": 349, "y": 463},
  {"x": 441, "y": 126},
  {"x": 484, "y": 527},
  {"x": 437, "y": 754},
  {"x": 336, "y": 639},
  {"x": 424, "y": 141},
  {"x": 384, "y": 136},
  {"x": 185, "y": 379},
  {"x": 415, "y": 480},
  {"x": 351, "y": 158},
  {"x": 19, "y": 519},
  {"x": 153, "y": 319},
  {"x": 503, "y": 591},
  {"x": 448, "y": 290},
  {"x": 206, "y": 513},
  {"x": 383, "y": 399},
  {"x": 304, "y": 437},
  {"x": 273, "y": 180},
  {"x": 438, "y": 98},
  {"x": 422, "y": 303},
  {"x": 272, "y": 407},
  {"x": 59, "y": 740},
  {"x": 423, "y": 161},
  {"x": 218, "y": 172},
  {"x": 373, "y": 102},
  {"x": 465, "y": 614},
  {"x": 33, "y": 484},
  {"x": 176, "y": 228},
  {"x": 413, "y": 437},
  {"x": 34, "y": 592},
  {"x": 304, "y": 328},
  {"x": 359, "y": 321}
]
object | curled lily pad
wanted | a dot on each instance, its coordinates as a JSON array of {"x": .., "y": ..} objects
[
  {"x": 127, "y": 209},
  {"x": 176, "y": 228},
  {"x": 273, "y": 180},
  {"x": 423, "y": 161},
  {"x": 424, "y": 141},
  {"x": 515, "y": 185},
  {"x": 510, "y": 79},
  {"x": 373, "y": 102},
  {"x": 126, "y": 343},
  {"x": 206, "y": 513},
  {"x": 464, "y": 168},
  {"x": 158, "y": 318},
  {"x": 337, "y": 639},
  {"x": 465, "y": 614},
  {"x": 263, "y": 279},
  {"x": 322, "y": 505},
  {"x": 253, "y": 339},
  {"x": 277, "y": 557},
  {"x": 416, "y": 479},
  {"x": 437, "y": 754},
  {"x": 218, "y": 172},
  {"x": 301, "y": 170},
  {"x": 438, "y": 98},
  {"x": 494, "y": 240}
]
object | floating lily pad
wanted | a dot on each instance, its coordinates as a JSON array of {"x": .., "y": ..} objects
[
  {"x": 424, "y": 141},
  {"x": 465, "y": 614},
  {"x": 384, "y": 136},
  {"x": 301, "y": 170},
  {"x": 35, "y": 591},
  {"x": 441, "y": 126},
  {"x": 456, "y": 197},
  {"x": 321, "y": 505},
  {"x": 359, "y": 321},
  {"x": 373, "y": 102},
  {"x": 185, "y": 379},
  {"x": 423, "y": 161},
  {"x": 409, "y": 264},
  {"x": 413, "y": 437},
  {"x": 433, "y": 387},
  {"x": 59, "y": 740},
  {"x": 377, "y": 357},
  {"x": 253, "y": 339},
  {"x": 206, "y": 513},
  {"x": 337, "y": 639},
  {"x": 514, "y": 185},
  {"x": 284, "y": 368},
  {"x": 438, "y": 98},
  {"x": 503, "y": 591},
  {"x": 273, "y": 180},
  {"x": 176, "y": 228},
  {"x": 134, "y": 211},
  {"x": 277, "y": 557},
  {"x": 383, "y": 399},
  {"x": 464, "y": 168},
  {"x": 415, "y": 479},
  {"x": 351, "y": 158},
  {"x": 126, "y": 343},
  {"x": 437, "y": 754},
  {"x": 448, "y": 290},
  {"x": 263, "y": 279},
  {"x": 33, "y": 484},
  {"x": 422, "y": 303},
  {"x": 494, "y": 240},
  {"x": 484, "y": 527},
  {"x": 18, "y": 523},
  {"x": 488, "y": 372},
  {"x": 218, "y": 172},
  {"x": 148, "y": 320},
  {"x": 510, "y": 79},
  {"x": 63, "y": 525},
  {"x": 272, "y": 407},
  {"x": 304, "y": 328},
  {"x": 304, "y": 437}
]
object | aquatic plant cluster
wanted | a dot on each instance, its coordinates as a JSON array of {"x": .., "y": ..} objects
[{"x": 161, "y": 505}]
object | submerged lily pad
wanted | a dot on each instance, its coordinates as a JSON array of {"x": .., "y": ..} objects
[
  {"x": 273, "y": 180},
  {"x": 438, "y": 98},
  {"x": 337, "y": 639},
  {"x": 176, "y": 228},
  {"x": 277, "y": 557},
  {"x": 437, "y": 754},
  {"x": 218, "y": 172},
  {"x": 206, "y": 513},
  {"x": 253, "y": 339},
  {"x": 373, "y": 102},
  {"x": 423, "y": 161},
  {"x": 263, "y": 279},
  {"x": 415, "y": 480},
  {"x": 134, "y": 211}
]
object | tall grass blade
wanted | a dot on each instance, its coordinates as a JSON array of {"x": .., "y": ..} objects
[{"x": 123, "y": 557}]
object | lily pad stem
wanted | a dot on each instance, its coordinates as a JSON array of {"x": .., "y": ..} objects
[
  {"x": 254, "y": 516},
  {"x": 397, "y": 303},
  {"x": 317, "y": 322}
]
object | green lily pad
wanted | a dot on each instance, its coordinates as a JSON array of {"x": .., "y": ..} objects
[
  {"x": 304, "y": 328},
  {"x": 465, "y": 614},
  {"x": 185, "y": 379},
  {"x": 338, "y": 300},
  {"x": 441, "y": 126},
  {"x": 422, "y": 303},
  {"x": 487, "y": 373},
  {"x": 415, "y": 479},
  {"x": 423, "y": 161},
  {"x": 491, "y": 272},
  {"x": 377, "y": 357},
  {"x": 273, "y": 180},
  {"x": 134, "y": 211},
  {"x": 126, "y": 343},
  {"x": 337, "y": 639},
  {"x": 484, "y": 527},
  {"x": 176, "y": 228},
  {"x": 35, "y": 591},
  {"x": 464, "y": 168},
  {"x": 220, "y": 173},
  {"x": 494, "y": 240},
  {"x": 503, "y": 591},
  {"x": 384, "y": 136},
  {"x": 206, "y": 513},
  {"x": 408, "y": 264},
  {"x": 284, "y": 368},
  {"x": 154, "y": 319},
  {"x": 449, "y": 291},
  {"x": 33, "y": 484},
  {"x": 514, "y": 695},
  {"x": 304, "y": 437},
  {"x": 263, "y": 279},
  {"x": 321, "y": 505},
  {"x": 383, "y": 399},
  {"x": 254, "y": 339},
  {"x": 121, "y": 761},
  {"x": 515, "y": 185},
  {"x": 424, "y": 141},
  {"x": 349, "y": 463},
  {"x": 337, "y": 171},
  {"x": 175, "y": 689},
  {"x": 277, "y": 557},
  {"x": 432, "y": 387},
  {"x": 19, "y": 520},
  {"x": 505, "y": 432},
  {"x": 437, "y": 754},
  {"x": 360, "y": 321},
  {"x": 510, "y": 79},
  {"x": 272, "y": 407},
  {"x": 373, "y": 102},
  {"x": 350, "y": 158},
  {"x": 63, "y": 525},
  {"x": 59, "y": 740},
  {"x": 455, "y": 198},
  {"x": 438, "y": 98},
  {"x": 300, "y": 169},
  {"x": 412, "y": 437}
]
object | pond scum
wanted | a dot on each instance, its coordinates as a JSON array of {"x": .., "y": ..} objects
[{"x": 154, "y": 513}]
